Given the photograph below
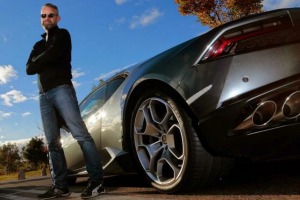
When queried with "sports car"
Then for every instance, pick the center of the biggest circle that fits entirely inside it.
(182, 117)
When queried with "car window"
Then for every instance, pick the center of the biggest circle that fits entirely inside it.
(112, 86)
(93, 103)
(97, 99)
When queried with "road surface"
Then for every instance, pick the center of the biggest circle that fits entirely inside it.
(259, 181)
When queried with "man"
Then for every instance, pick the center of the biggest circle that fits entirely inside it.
(50, 59)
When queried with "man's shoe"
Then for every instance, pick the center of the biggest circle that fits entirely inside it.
(54, 193)
(92, 190)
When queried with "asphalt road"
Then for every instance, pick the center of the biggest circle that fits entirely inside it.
(258, 181)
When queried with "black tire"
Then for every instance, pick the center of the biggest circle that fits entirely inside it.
(220, 170)
(166, 146)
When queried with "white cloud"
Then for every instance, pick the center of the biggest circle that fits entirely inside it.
(4, 114)
(11, 97)
(76, 73)
(276, 4)
(26, 114)
(108, 75)
(118, 22)
(36, 97)
(20, 143)
(7, 72)
(148, 17)
(120, 2)
(75, 84)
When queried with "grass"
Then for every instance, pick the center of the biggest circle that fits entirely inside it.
(29, 174)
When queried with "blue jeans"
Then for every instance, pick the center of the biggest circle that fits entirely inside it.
(63, 99)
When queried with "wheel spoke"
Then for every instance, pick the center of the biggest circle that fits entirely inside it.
(159, 140)
(148, 155)
(144, 124)
(175, 141)
(161, 113)
(168, 167)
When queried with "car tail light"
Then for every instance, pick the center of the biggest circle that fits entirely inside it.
(255, 36)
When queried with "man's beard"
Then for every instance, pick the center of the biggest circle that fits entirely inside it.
(48, 26)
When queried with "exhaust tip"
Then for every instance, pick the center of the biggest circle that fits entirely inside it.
(291, 106)
(264, 113)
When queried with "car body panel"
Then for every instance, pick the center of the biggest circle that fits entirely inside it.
(223, 90)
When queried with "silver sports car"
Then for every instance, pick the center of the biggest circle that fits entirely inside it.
(182, 117)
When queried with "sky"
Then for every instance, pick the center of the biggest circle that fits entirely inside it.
(107, 35)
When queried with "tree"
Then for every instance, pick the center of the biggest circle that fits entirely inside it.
(213, 13)
(35, 152)
(9, 157)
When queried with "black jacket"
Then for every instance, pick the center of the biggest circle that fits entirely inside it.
(51, 59)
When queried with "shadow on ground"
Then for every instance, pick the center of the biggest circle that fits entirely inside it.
(247, 178)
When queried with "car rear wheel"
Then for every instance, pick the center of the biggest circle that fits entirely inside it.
(166, 146)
